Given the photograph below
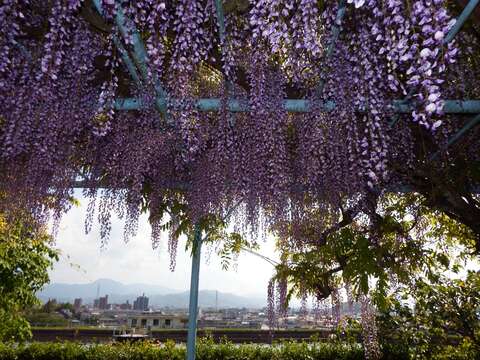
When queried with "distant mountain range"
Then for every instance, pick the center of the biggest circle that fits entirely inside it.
(158, 295)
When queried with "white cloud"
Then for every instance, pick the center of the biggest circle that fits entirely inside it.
(83, 260)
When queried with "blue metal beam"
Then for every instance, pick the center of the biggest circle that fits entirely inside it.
(221, 33)
(468, 126)
(404, 189)
(84, 184)
(220, 19)
(234, 105)
(127, 61)
(297, 105)
(336, 27)
(140, 56)
(456, 28)
(450, 107)
(193, 305)
(123, 52)
(472, 4)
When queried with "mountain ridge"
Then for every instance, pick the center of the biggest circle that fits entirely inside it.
(159, 296)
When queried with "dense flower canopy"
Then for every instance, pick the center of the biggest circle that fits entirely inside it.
(64, 69)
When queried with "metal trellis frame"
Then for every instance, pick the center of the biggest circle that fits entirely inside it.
(140, 57)
(467, 11)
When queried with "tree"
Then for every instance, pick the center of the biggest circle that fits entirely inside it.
(26, 255)
(401, 237)
(400, 242)
(432, 314)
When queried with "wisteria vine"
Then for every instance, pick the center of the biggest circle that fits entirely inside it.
(61, 75)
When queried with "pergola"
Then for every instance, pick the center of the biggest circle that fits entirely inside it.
(136, 62)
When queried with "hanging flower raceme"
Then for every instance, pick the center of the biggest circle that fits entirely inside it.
(411, 40)
(11, 17)
(57, 39)
(192, 41)
(293, 31)
(70, 106)
(105, 112)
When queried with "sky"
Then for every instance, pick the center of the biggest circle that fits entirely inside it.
(83, 259)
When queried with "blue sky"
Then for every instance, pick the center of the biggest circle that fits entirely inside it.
(83, 260)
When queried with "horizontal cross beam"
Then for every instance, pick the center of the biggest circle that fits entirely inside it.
(450, 107)
(234, 105)
(184, 186)
(292, 105)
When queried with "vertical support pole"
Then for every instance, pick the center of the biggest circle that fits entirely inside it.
(193, 305)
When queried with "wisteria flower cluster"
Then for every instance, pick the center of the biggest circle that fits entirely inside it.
(63, 78)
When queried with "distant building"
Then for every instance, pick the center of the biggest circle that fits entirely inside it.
(126, 306)
(141, 303)
(52, 302)
(103, 303)
(157, 321)
(77, 304)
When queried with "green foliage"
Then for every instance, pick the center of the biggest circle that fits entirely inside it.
(445, 312)
(45, 319)
(206, 350)
(404, 239)
(25, 257)
(172, 211)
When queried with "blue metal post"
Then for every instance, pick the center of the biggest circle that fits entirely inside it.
(193, 306)
(472, 4)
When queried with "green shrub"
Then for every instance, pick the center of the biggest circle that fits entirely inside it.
(207, 349)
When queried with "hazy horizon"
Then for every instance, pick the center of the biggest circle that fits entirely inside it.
(102, 293)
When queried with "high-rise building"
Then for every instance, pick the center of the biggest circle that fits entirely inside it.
(77, 304)
(103, 303)
(141, 303)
